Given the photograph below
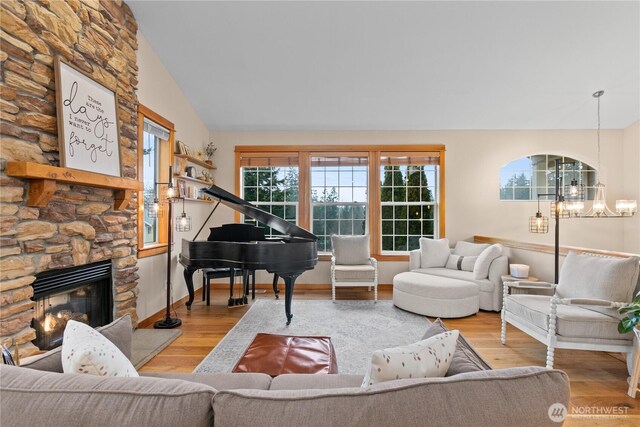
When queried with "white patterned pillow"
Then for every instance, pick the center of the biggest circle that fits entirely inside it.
(87, 351)
(424, 359)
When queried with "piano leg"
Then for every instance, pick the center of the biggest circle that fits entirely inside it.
(188, 279)
(275, 286)
(245, 282)
(232, 280)
(289, 281)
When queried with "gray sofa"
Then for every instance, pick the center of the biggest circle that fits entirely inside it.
(480, 397)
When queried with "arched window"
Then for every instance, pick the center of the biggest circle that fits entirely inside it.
(525, 178)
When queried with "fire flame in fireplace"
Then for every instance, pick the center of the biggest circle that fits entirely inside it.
(48, 322)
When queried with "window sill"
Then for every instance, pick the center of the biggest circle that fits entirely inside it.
(152, 250)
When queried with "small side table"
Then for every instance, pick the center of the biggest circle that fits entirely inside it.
(515, 290)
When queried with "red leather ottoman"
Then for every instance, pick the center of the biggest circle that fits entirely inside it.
(282, 354)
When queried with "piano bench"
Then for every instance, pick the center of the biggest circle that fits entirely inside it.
(220, 273)
(281, 354)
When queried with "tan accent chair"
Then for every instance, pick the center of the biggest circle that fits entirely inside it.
(581, 313)
(352, 265)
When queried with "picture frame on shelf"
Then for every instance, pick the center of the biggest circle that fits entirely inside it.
(182, 189)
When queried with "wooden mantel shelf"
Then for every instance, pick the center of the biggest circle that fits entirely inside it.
(42, 182)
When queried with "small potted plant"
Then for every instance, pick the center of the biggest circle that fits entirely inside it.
(632, 318)
(210, 150)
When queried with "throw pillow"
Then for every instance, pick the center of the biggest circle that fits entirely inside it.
(481, 268)
(589, 276)
(469, 249)
(434, 253)
(118, 332)
(424, 359)
(465, 358)
(86, 351)
(460, 262)
(351, 250)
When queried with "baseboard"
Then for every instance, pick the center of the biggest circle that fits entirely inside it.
(160, 313)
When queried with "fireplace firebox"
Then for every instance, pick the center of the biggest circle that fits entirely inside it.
(82, 293)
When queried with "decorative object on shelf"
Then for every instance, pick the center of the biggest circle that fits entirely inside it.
(87, 122)
(182, 148)
(567, 201)
(157, 207)
(210, 151)
(190, 171)
(182, 192)
(599, 207)
(206, 176)
(200, 154)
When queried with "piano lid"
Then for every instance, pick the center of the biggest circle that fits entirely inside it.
(246, 208)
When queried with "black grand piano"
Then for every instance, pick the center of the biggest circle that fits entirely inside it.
(244, 246)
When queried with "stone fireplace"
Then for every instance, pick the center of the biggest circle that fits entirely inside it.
(82, 293)
(77, 224)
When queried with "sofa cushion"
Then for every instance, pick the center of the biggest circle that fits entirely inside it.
(355, 273)
(461, 262)
(221, 380)
(416, 283)
(430, 357)
(572, 321)
(306, 381)
(485, 285)
(587, 276)
(481, 267)
(465, 358)
(434, 253)
(87, 351)
(351, 250)
(118, 332)
(34, 398)
(469, 249)
(474, 397)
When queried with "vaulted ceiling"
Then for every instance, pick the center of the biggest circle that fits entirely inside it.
(400, 65)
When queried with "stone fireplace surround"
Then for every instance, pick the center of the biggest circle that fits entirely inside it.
(79, 224)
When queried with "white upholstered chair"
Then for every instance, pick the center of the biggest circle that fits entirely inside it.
(582, 312)
(352, 265)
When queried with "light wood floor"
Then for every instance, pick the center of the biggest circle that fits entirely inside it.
(598, 380)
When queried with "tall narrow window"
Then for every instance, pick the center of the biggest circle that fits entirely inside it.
(155, 148)
(408, 199)
(339, 196)
(271, 184)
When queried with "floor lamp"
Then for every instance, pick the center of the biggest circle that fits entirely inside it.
(169, 322)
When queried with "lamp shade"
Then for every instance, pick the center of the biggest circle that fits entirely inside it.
(626, 207)
(538, 223)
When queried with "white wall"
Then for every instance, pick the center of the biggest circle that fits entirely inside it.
(158, 91)
(631, 155)
(473, 161)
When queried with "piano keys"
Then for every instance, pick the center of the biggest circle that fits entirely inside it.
(245, 246)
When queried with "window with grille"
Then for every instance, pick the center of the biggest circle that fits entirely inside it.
(408, 200)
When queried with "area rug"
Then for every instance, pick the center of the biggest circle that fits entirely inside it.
(146, 343)
(356, 328)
